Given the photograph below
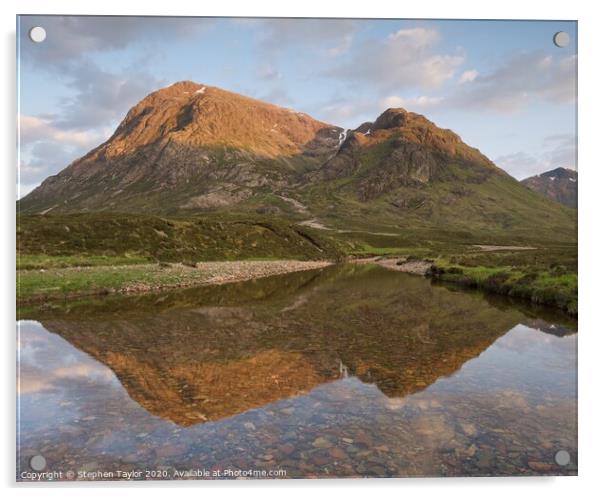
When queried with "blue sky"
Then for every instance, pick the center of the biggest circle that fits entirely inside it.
(503, 86)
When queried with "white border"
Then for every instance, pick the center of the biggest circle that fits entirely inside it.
(590, 184)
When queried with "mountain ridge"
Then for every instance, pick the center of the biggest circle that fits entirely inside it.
(191, 148)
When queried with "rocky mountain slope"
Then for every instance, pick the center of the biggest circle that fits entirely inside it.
(403, 172)
(190, 146)
(559, 185)
(192, 149)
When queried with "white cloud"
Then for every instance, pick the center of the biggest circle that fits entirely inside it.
(332, 37)
(406, 58)
(560, 150)
(519, 81)
(33, 129)
(343, 46)
(419, 37)
(46, 149)
(99, 97)
(416, 102)
(341, 111)
(73, 37)
(468, 76)
(520, 164)
(557, 151)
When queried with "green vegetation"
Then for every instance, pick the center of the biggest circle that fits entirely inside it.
(66, 283)
(105, 238)
(93, 253)
(407, 189)
(92, 280)
(462, 204)
(33, 262)
(99, 252)
(556, 286)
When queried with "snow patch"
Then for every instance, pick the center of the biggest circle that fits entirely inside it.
(200, 91)
(342, 136)
(572, 180)
(552, 178)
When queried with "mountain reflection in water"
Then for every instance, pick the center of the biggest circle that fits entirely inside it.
(354, 369)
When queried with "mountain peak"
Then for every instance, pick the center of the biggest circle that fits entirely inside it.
(409, 127)
(391, 118)
(190, 147)
(206, 145)
(558, 184)
(404, 149)
(199, 115)
(560, 172)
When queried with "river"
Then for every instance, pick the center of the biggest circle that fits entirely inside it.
(346, 371)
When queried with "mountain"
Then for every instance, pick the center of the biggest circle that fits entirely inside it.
(402, 172)
(190, 146)
(191, 149)
(559, 185)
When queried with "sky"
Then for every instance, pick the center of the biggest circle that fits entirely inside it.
(503, 86)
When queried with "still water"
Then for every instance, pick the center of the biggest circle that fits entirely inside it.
(349, 371)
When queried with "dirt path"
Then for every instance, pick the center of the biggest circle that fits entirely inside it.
(502, 248)
(297, 205)
(318, 224)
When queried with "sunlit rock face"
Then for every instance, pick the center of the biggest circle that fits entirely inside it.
(198, 146)
(192, 149)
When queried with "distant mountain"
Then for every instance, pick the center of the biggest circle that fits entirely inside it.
(191, 149)
(559, 185)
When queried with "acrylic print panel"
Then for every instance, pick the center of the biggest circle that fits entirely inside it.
(290, 248)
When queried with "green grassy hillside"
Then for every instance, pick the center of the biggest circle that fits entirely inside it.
(461, 203)
(117, 238)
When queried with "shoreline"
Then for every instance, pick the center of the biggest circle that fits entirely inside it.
(158, 277)
(46, 285)
(540, 288)
(400, 264)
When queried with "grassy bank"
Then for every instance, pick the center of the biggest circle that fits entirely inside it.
(555, 287)
(95, 238)
(92, 253)
(44, 262)
(70, 282)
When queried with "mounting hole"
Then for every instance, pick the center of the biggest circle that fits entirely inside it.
(37, 463)
(37, 34)
(562, 458)
(562, 39)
